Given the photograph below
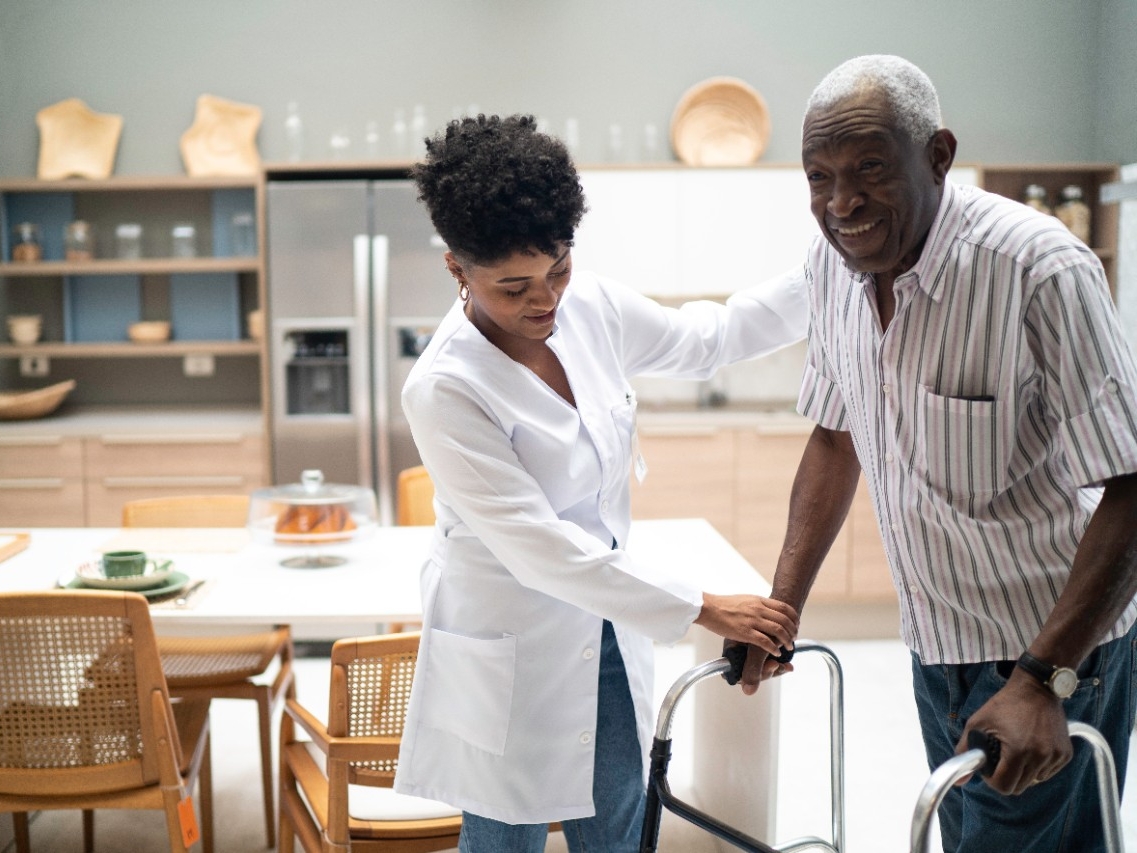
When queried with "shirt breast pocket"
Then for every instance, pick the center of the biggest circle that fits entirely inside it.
(963, 450)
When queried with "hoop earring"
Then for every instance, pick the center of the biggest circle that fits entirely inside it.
(463, 291)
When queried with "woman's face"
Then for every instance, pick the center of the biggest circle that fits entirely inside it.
(515, 299)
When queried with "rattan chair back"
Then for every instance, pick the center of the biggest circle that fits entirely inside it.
(414, 497)
(187, 511)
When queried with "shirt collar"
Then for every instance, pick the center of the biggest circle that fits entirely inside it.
(945, 228)
(941, 236)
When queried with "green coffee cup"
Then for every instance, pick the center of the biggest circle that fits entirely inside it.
(124, 564)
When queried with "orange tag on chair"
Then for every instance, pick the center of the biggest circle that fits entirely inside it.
(188, 820)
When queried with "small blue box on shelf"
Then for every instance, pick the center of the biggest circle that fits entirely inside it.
(204, 307)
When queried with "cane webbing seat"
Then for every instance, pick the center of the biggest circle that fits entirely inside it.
(86, 721)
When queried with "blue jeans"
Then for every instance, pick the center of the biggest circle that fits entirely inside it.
(1060, 815)
(617, 781)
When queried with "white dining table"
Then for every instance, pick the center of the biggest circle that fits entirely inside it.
(734, 770)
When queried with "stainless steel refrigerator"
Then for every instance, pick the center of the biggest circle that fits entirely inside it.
(356, 286)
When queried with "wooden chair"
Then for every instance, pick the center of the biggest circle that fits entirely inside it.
(85, 718)
(414, 497)
(224, 667)
(335, 790)
(187, 511)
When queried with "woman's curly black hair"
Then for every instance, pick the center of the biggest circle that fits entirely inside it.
(495, 186)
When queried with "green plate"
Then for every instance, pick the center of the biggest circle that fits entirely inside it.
(172, 584)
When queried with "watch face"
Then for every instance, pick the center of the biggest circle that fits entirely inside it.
(1063, 682)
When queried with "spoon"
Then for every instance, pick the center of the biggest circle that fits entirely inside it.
(183, 599)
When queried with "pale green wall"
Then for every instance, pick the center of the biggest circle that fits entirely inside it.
(1036, 80)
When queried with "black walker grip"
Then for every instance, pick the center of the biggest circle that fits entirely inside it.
(990, 746)
(735, 653)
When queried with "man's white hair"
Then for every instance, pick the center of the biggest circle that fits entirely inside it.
(909, 91)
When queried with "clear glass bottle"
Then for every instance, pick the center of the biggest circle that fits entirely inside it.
(1035, 196)
(418, 131)
(78, 241)
(399, 134)
(183, 240)
(294, 133)
(128, 241)
(1074, 212)
(26, 245)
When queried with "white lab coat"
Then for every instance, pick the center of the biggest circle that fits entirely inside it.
(531, 494)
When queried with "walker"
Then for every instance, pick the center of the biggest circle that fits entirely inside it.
(983, 756)
(659, 794)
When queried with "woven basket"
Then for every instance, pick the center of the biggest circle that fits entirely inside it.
(720, 122)
(23, 405)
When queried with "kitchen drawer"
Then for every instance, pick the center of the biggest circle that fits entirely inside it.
(190, 455)
(690, 475)
(767, 466)
(41, 502)
(40, 456)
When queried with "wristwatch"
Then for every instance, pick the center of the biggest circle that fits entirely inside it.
(1061, 680)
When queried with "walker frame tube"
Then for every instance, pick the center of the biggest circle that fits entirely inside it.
(659, 794)
(960, 766)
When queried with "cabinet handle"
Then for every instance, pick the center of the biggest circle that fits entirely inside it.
(172, 482)
(167, 438)
(31, 441)
(32, 483)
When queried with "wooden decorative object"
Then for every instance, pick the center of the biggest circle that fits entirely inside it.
(76, 142)
(222, 139)
(722, 121)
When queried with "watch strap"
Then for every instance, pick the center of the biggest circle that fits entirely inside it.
(1039, 669)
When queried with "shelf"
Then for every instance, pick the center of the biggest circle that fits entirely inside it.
(127, 183)
(144, 266)
(124, 349)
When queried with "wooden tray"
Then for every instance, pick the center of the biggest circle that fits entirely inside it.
(12, 543)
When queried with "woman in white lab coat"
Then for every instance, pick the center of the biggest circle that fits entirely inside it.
(531, 700)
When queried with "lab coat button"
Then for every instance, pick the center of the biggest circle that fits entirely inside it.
(604, 507)
(586, 738)
(589, 654)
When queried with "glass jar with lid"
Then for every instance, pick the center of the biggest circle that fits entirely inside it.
(1074, 212)
(78, 241)
(1035, 196)
(26, 245)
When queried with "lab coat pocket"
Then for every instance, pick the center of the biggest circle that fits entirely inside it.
(468, 688)
(963, 446)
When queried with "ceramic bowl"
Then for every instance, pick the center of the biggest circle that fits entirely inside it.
(149, 332)
(25, 328)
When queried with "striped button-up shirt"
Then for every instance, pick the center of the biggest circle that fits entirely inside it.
(984, 418)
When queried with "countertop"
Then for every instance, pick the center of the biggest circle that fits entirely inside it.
(770, 418)
(119, 420)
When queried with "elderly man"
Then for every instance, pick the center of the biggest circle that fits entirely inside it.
(965, 355)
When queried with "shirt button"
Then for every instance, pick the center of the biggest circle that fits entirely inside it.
(895, 528)
(888, 457)
(1111, 386)
(589, 654)
(885, 388)
(586, 738)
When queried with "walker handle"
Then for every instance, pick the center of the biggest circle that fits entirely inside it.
(735, 653)
(990, 746)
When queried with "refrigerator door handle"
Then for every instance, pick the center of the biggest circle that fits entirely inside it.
(381, 354)
(361, 357)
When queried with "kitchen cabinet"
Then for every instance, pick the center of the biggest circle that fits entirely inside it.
(691, 474)
(41, 481)
(1012, 180)
(738, 474)
(79, 469)
(87, 304)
